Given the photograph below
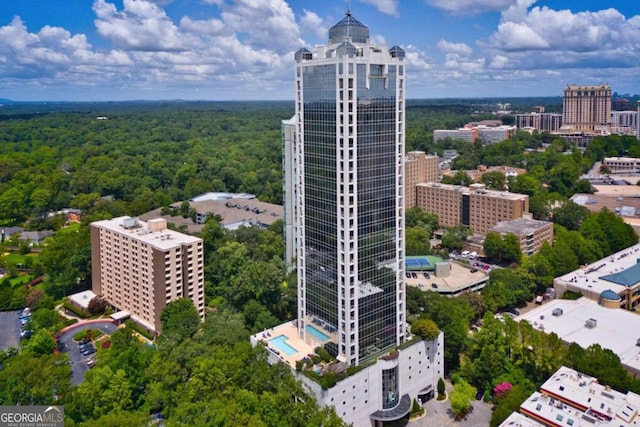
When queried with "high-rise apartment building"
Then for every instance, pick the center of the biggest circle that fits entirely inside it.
(140, 267)
(474, 206)
(344, 176)
(419, 167)
(349, 112)
(542, 122)
(586, 108)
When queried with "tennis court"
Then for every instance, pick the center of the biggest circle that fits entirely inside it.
(421, 263)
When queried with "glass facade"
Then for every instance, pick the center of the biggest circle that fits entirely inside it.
(350, 149)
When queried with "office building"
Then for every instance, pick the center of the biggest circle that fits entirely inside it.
(541, 122)
(419, 167)
(139, 267)
(346, 146)
(586, 108)
(617, 276)
(571, 398)
(473, 206)
(531, 233)
(463, 134)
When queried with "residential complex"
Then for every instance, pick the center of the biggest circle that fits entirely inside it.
(419, 167)
(346, 178)
(473, 206)
(139, 267)
(586, 108)
(571, 398)
(531, 233)
(233, 210)
(542, 122)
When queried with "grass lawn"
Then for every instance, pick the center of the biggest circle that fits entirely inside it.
(20, 280)
(14, 258)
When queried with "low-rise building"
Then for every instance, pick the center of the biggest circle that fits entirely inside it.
(234, 210)
(622, 165)
(586, 322)
(572, 399)
(618, 273)
(531, 233)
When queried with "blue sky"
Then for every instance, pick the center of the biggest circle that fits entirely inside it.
(91, 50)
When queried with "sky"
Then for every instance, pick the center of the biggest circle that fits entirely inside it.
(113, 50)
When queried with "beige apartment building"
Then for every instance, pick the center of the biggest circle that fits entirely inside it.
(473, 206)
(419, 167)
(139, 267)
(586, 108)
(531, 233)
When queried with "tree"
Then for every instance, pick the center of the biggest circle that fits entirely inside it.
(570, 215)
(455, 237)
(417, 239)
(425, 329)
(41, 343)
(494, 180)
(460, 398)
(97, 305)
(102, 392)
(180, 319)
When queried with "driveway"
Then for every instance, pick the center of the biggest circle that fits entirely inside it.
(76, 359)
(9, 329)
(439, 414)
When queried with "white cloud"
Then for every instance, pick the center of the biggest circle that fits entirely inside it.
(390, 7)
(142, 25)
(312, 22)
(545, 28)
(459, 48)
(471, 6)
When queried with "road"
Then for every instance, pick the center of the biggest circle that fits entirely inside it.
(77, 360)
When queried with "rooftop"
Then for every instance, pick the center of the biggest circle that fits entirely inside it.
(161, 238)
(570, 326)
(520, 226)
(608, 273)
(482, 192)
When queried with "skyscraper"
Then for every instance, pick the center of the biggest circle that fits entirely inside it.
(344, 191)
(349, 116)
(586, 108)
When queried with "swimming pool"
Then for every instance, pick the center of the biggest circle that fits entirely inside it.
(316, 333)
(280, 343)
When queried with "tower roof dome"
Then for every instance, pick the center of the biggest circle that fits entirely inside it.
(349, 28)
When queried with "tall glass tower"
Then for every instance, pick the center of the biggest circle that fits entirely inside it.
(348, 154)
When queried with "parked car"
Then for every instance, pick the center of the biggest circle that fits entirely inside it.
(434, 286)
(89, 350)
(426, 275)
(90, 363)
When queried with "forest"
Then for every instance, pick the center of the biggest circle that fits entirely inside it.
(143, 156)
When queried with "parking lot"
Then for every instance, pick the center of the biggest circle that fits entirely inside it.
(9, 329)
(76, 358)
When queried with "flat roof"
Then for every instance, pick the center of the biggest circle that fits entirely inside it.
(475, 191)
(163, 239)
(591, 280)
(516, 419)
(461, 279)
(82, 298)
(520, 226)
(570, 327)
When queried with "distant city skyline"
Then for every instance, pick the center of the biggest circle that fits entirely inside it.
(111, 50)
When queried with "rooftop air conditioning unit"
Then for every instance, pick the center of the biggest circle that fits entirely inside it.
(591, 323)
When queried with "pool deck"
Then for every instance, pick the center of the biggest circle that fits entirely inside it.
(289, 330)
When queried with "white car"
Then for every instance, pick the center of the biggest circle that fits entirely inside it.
(473, 255)
(465, 254)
